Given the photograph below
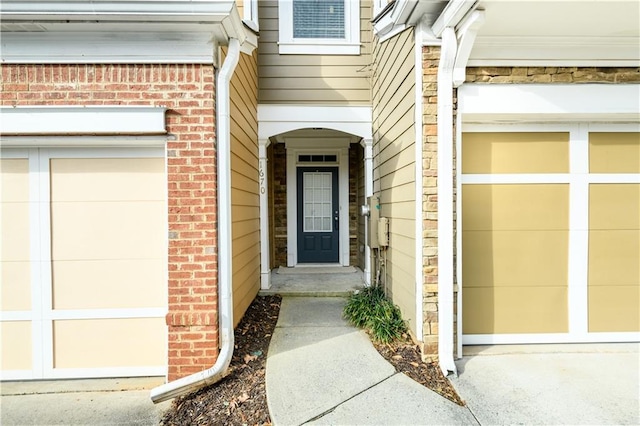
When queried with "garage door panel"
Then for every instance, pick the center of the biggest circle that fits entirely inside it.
(105, 284)
(107, 179)
(14, 224)
(614, 206)
(614, 308)
(614, 258)
(16, 345)
(519, 152)
(108, 343)
(515, 258)
(515, 310)
(515, 207)
(16, 286)
(14, 180)
(123, 230)
(617, 152)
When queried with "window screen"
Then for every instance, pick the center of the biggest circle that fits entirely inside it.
(318, 19)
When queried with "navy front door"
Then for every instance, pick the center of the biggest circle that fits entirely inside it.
(318, 225)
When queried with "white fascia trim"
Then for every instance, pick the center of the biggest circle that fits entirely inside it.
(496, 103)
(452, 14)
(117, 46)
(116, 10)
(349, 45)
(276, 119)
(89, 120)
(563, 51)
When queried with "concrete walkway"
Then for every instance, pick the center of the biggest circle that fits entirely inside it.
(320, 370)
(81, 402)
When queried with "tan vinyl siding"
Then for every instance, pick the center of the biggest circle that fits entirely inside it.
(394, 162)
(309, 79)
(245, 198)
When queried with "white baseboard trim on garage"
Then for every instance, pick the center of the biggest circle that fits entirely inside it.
(502, 339)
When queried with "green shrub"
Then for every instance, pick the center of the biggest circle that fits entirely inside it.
(371, 310)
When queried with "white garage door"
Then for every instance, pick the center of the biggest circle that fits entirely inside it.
(83, 263)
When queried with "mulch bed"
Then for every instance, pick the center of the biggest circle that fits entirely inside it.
(240, 398)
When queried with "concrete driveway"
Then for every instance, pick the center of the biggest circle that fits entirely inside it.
(80, 402)
(551, 384)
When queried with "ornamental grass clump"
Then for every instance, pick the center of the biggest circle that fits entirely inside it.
(371, 310)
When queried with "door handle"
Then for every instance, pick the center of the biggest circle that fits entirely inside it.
(335, 221)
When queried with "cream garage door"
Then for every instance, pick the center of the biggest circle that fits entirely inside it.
(550, 242)
(83, 263)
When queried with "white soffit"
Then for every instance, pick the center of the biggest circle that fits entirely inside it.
(493, 103)
(558, 32)
(115, 120)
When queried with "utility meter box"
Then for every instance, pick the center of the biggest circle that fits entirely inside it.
(374, 214)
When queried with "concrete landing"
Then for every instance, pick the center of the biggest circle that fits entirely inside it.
(320, 370)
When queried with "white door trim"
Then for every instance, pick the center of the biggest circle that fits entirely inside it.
(294, 148)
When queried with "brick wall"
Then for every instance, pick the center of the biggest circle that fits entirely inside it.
(188, 93)
(279, 184)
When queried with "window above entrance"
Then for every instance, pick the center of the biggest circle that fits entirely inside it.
(319, 27)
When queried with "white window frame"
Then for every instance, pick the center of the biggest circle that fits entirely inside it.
(350, 45)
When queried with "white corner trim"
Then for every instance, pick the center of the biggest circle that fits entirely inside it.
(419, 183)
(265, 270)
(69, 120)
(487, 103)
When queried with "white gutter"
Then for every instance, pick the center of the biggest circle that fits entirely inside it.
(445, 200)
(225, 303)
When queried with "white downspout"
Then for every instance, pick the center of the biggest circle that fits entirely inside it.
(210, 376)
(367, 144)
(445, 200)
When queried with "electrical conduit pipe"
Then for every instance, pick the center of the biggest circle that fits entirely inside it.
(212, 375)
